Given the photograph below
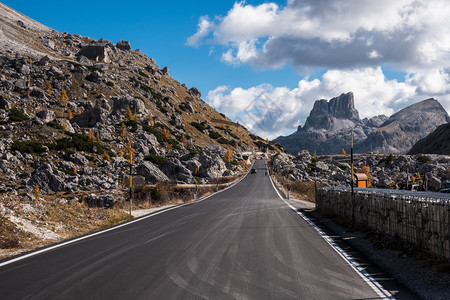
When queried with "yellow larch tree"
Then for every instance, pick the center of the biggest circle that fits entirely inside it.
(228, 155)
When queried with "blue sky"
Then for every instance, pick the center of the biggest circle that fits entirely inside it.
(251, 58)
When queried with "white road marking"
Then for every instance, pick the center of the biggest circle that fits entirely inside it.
(384, 294)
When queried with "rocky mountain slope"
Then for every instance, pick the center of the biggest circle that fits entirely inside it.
(404, 128)
(327, 129)
(72, 109)
(437, 142)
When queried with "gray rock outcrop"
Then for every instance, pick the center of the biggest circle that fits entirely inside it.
(151, 173)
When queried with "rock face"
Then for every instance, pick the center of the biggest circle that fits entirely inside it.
(437, 142)
(95, 52)
(336, 114)
(151, 173)
(327, 129)
(404, 128)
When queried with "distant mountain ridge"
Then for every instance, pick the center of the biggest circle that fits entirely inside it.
(437, 142)
(327, 129)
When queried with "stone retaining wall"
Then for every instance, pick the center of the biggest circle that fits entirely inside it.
(420, 218)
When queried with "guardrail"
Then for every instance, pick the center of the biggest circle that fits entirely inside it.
(420, 218)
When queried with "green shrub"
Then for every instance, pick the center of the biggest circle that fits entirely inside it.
(80, 142)
(156, 159)
(133, 124)
(153, 131)
(28, 147)
(224, 141)
(143, 74)
(68, 172)
(110, 83)
(55, 125)
(388, 159)
(214, 135)
(423, 159)
(175, 144)
(3, 104)
(17, 115)
(199, 126)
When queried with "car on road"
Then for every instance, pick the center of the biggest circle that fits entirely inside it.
(253, 171)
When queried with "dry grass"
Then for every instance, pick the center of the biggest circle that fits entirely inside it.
(27, 225)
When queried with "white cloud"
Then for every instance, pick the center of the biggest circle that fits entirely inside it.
(412, 34)
(203, 29)
(350, 38)
(272, 111)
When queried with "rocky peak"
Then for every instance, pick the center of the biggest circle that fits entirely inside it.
(338, 113)
(419, 114)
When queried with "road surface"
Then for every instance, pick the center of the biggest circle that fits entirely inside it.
(242, 243)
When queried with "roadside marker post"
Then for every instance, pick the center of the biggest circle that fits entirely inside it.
(351, 167)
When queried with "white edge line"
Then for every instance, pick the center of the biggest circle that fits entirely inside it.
(22, 257)
(384, 294)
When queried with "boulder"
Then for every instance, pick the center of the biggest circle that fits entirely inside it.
(48, 179)
(37, 92)
(151, 173)
(84, 60)
(43, 61)
(195, 92)
(96, 52)
(123, 45)
(174, 169)
(91, 117)
(120, 105)
(304, 156)
(78, 159)
(65, 123)
(94, 77)
(46, 115)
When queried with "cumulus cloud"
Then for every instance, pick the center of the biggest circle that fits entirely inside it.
(350, 38)
(318, 33)
(203, 29)
(272, 111)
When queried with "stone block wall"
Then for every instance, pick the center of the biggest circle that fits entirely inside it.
(422, 219)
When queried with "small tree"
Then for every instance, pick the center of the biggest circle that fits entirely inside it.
(150, 120)
(69, 114)
(123, 130)
(343, 151)
(366, 170)
(106, 156)
(165, 133)
(64, 99)
(48, 87)
(36, 193)
(92, 137)
(184, 141)
(129, 114)
(228, 156)
(130, 151)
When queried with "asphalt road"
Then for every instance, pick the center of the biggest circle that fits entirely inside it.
(243, 243)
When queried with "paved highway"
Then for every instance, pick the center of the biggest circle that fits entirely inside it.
(243, 243)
